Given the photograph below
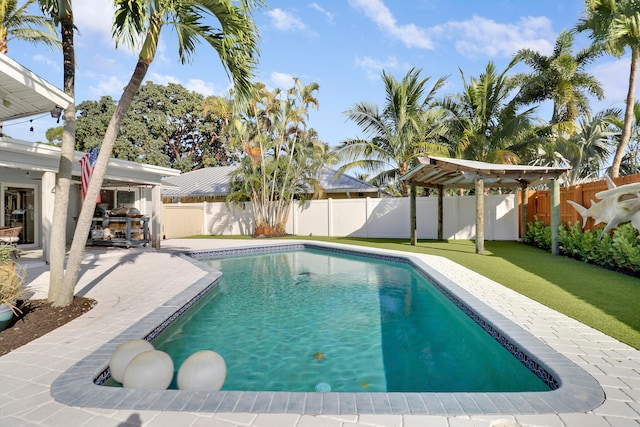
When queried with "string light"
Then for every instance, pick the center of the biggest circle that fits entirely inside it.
(31, 128)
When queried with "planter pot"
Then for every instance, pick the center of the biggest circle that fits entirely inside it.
(6, 315)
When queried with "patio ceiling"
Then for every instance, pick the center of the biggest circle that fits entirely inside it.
(24, 94)
(444, 172)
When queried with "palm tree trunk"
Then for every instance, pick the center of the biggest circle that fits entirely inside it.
(88, 207)
(58, 238)
(628, 115)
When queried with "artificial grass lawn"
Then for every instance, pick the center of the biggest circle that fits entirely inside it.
(603, 299)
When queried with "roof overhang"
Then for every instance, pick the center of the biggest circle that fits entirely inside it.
(24, 94)
(434, 172)
(30, 156)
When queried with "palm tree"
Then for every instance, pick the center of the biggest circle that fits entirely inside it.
(16, 23)
(406, 129)
(235, 41)
(486, 125)
(281, 157)
(61, 12)
(560, 78)
(615, 25)
(631, 160)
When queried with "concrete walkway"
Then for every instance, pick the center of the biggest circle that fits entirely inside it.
(130, 284)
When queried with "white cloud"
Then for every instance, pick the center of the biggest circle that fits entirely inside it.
(480, 36)
(409, 34)
(47, 61)
(614, 78)
(282, 80)
(374, 67)
(89, 16)
(107, 85)
(320, 9)
(285, 21)
(206, 88)
(162, 79)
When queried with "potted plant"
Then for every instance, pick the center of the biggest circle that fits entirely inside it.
(11, 285)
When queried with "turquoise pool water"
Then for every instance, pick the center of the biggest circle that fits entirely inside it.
(304, 319)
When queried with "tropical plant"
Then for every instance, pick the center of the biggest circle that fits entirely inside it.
(615, 25)
(235, 40)
(484, 121)
(395, 137)
(560, 77)
(17, 24)
(281, 158)
(631, 160)
(11, 278)
(586, 151)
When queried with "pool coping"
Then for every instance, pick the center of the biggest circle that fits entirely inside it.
(578, 391)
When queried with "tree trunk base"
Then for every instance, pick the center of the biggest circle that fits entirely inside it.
(267, 231)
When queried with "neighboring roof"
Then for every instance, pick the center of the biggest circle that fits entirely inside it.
(344, 183)
(15, 154)
(457, 173)
(214, 182)
(23, 93)
(206, 182)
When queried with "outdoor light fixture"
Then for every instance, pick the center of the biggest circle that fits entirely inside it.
(56, 112)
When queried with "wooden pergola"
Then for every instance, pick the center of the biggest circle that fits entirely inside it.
(442, 173)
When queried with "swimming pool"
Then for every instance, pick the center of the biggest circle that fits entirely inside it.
(308, 319)
(577, 391)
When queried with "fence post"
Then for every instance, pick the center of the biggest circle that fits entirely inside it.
(555, 216)
(330, 216)
(479, 216)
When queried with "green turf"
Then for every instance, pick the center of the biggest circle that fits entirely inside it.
(603, 299)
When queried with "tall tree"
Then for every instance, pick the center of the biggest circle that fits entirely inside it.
(16, 23)
(615, 25)
(62, 14)
(484, 120)
(560, 77)
(281, 157)
(398, 135)
(235, 39)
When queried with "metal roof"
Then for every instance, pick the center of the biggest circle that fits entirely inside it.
(457, 173)
(214, 182)
(24, 94)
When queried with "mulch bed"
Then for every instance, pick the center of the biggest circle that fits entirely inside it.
(39, 318)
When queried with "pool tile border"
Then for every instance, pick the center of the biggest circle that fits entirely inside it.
(577, 391)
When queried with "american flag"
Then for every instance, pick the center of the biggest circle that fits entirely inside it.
(87, 163)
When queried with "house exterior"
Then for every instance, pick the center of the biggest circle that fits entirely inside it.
(212, 185)
(28, 169)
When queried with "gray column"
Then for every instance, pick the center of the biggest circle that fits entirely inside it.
(156, 217)
(413, 215)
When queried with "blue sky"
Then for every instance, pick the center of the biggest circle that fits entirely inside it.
(343, 45)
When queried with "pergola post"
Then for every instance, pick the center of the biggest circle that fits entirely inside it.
(440, 212)
(479, 215)
(524, 214)
(413, 213)
(555, 216)
(156, 215)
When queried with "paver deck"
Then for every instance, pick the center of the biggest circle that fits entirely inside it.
(130, 284)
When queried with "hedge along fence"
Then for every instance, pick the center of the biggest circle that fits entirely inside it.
(583, 194)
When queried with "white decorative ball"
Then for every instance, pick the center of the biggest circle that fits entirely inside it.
(124, 354)
(204, 370)
(150, 370)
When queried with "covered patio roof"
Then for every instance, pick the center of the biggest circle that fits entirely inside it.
(441, 173)
(433, 172)
(24, 94)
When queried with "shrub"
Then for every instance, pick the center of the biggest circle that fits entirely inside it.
(620, 250)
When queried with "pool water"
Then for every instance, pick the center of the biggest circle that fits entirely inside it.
(308, 320)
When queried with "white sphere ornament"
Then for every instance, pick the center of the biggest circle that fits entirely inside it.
(204, 370)
(151, 370)
(124, 354)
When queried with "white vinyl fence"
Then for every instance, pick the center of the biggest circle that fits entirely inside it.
(383, 217)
